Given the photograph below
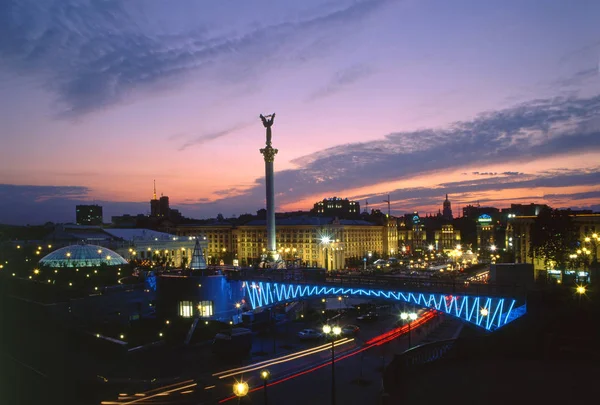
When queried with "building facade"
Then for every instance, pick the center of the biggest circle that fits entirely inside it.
(485, 232)
(307, 241)
(447, 238)
(518, 239)
(337, 207)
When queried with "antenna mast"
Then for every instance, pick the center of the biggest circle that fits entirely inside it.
(388, 203)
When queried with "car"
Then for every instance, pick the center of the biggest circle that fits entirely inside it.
(348, 330)
(371, 316)
(309, 334)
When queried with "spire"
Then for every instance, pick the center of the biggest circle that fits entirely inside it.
(154, 198)
(446, 196)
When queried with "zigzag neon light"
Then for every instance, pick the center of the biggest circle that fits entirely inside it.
(500, 311)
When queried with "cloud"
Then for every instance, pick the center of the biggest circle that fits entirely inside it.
(23, 204)
(341, 80)
(537, 129)
(211, 136)
(94, 54)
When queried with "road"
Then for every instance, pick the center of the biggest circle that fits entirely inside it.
(305, 361)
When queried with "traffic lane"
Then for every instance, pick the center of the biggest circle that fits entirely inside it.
(224, 385)
(363, 364)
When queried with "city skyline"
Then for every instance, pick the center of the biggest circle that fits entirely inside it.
(498, 104)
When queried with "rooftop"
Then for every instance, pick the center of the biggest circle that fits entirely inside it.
(82, 256)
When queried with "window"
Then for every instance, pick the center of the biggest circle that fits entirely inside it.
(205, 308)
(186, 309)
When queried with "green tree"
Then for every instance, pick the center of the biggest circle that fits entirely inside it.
(553, 237)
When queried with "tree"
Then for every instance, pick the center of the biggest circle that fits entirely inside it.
(220, 218)
(553, 236)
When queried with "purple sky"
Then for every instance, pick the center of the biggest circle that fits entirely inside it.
(490, 101)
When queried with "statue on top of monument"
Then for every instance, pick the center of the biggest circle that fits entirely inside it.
(268, 122)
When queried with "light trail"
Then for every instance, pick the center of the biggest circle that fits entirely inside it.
(162, 393)
(376, 341)
(297, 356)
(275, 359)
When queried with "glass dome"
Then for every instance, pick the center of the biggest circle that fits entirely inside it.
(82, 256)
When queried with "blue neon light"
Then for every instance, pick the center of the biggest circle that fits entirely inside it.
(500, 311)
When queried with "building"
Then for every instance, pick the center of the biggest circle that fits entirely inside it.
(337, 207)
(446, 238)
(144, 246)
(218, 236)
(303, 240)
(88, 214)
(447, 209)
(518, 240)
(412, 234)
(416, 234)
(82, 256)
(159, 208)
(485, 232)
(525, 210)
(475, 211)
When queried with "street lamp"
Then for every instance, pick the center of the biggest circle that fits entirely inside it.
(265, 375)
(410, 317)
(240, 389)
(325, 240)
(484, 312)
(332, 332)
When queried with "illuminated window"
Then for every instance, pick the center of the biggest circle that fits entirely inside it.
(205, 308)
(186, 309)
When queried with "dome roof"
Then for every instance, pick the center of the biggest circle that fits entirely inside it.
(82, 256)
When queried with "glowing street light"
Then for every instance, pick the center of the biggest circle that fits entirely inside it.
(265, 375)
(410, 317)
(240, 389)
(484, 312)
(580, 289)
(493, 248)
(332, 332)
(430, 248)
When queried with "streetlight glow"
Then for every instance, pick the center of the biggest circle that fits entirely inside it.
(326, 329)
(580, 289)
(240, 389)
(484, 312)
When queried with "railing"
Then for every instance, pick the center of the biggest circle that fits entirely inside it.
(459, 287)
(406, 362)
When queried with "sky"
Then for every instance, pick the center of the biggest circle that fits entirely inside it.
(495, 102)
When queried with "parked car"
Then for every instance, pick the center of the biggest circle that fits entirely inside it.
(309, 334)
(349, 330)
(371, 316)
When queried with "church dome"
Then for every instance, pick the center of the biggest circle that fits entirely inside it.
(82, 256)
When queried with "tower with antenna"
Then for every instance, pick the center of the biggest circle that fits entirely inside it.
(388, 204)
(154, 204)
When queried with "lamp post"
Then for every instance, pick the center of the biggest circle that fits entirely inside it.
(410, 317)
(580, 290)
(332, 333)
(240, 389)
(265, 375)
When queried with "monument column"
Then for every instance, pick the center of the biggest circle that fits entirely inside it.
(269, 153)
